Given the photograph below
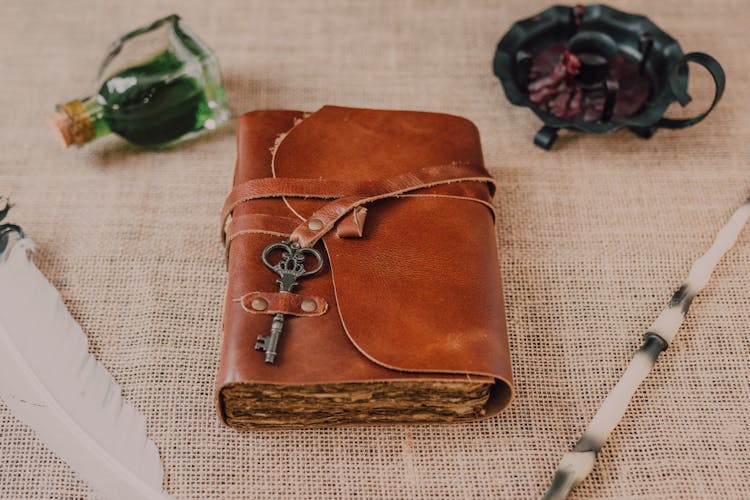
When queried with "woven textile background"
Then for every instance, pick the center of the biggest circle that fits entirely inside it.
(594, 236)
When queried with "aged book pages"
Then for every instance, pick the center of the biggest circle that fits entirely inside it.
(255, 405)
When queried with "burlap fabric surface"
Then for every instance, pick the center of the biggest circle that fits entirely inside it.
(593, 236)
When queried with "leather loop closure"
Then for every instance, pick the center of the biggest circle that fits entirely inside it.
(320, 222)
(274, 187)
(353, 225)
(258, 224)
(347, 197)
(283, 302)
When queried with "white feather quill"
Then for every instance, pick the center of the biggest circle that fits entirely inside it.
(49, 380)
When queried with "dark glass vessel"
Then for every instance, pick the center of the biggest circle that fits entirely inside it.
(158, 86)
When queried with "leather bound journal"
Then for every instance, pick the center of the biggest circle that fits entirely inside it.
(364, 285)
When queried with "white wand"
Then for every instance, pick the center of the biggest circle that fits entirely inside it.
(578, 463)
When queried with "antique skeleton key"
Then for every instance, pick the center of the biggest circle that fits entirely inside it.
(290, 267)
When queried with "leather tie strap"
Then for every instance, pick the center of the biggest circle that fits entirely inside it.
(280, 187)
(320, 222)
(348, 196)
(260, 223)
(257, 224)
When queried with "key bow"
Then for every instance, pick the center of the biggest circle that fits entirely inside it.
(292, 263)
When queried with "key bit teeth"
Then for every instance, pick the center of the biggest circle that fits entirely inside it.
(260, 345)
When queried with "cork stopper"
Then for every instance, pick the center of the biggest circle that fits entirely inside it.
(71, 124)
(60, 125)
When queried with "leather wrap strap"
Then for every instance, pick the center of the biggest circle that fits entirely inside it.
(309, 232)
(275, 187)
(347, 196)
(259, 223)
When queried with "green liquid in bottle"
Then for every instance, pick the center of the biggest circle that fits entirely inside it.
(158, 102)
(146, 110)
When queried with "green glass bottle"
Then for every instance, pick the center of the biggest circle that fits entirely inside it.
(159, 86)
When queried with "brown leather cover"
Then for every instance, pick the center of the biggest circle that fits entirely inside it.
(411, 278)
